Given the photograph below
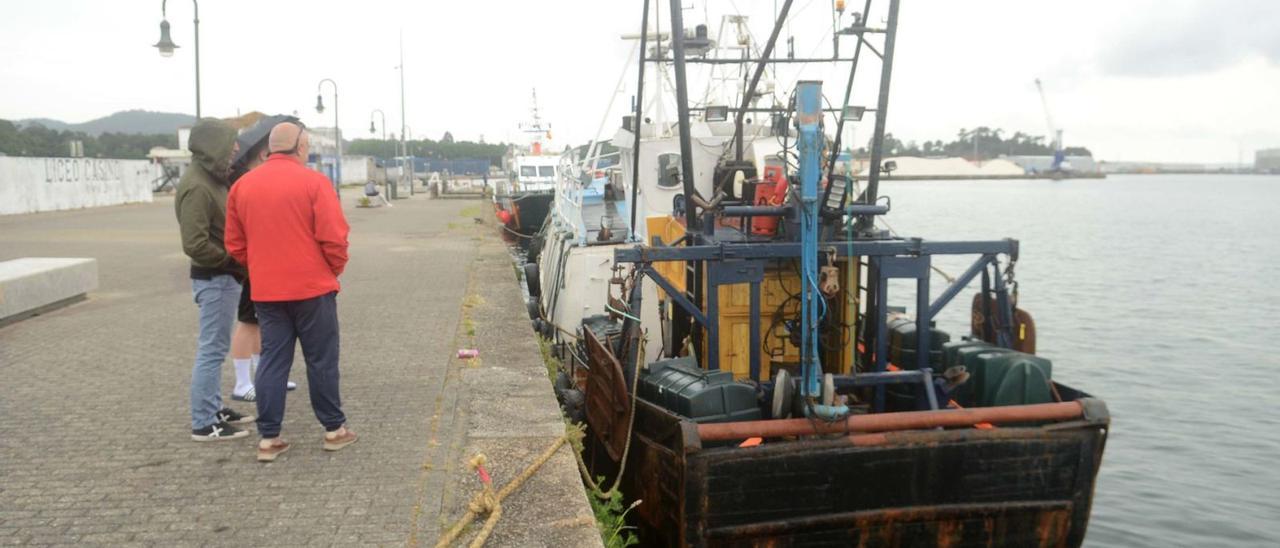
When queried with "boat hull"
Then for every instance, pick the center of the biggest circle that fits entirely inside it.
(527, 210)
(1013, 486)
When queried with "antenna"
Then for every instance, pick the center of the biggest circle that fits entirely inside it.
(537, 120)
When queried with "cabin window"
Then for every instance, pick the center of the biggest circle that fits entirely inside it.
(528, 171)
(546, 171)
(669, 170)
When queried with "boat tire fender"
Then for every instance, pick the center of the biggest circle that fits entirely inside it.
(562, 383)
(535, 312)
(573, 403)
(532, 281)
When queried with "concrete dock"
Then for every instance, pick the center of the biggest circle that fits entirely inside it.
(94, 413)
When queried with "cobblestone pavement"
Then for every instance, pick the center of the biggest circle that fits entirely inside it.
(94, 420)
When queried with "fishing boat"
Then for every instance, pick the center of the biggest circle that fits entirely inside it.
(522, 200)
(721, 304)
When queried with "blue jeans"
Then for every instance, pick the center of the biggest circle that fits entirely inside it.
(218, 298)
(314, 323)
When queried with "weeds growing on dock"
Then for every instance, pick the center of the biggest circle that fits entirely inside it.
(611, 518)
(611, 515)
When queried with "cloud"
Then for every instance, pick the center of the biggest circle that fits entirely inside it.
(1184, 38)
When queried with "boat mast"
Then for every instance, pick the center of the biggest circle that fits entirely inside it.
(637, 123)
(755, 78)
(882, 113)
(682, 117)
(848, 92)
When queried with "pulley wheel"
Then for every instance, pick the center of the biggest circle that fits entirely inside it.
(783, 395)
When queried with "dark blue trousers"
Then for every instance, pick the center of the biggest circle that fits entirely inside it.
(314, 323)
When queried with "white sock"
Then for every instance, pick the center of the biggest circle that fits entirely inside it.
(256, 358)
(243, 379)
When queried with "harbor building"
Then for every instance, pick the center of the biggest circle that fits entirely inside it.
(1267, 160)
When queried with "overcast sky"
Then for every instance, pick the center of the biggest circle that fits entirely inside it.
(1167, 80)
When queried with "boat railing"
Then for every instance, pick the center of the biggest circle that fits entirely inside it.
(568, 201)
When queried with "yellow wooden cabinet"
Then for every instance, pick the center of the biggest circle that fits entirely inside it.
(780, 284)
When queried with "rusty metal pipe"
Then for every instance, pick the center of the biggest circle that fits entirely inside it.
(885, 422)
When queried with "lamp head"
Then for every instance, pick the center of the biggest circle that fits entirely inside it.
(165, 45)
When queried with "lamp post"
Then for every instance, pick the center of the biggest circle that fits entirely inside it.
(403, 145)
(391, 189)
(166, 45)
(406, 135)
(337, 133)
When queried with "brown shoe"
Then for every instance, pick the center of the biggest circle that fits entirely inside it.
(269, 453)
(339, 438)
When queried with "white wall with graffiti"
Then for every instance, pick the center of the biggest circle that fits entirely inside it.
(29, 185)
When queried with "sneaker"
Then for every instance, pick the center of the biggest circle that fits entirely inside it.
(248, 395)
(229, 416)
(269, 454)
(339, 438)
(218, 431)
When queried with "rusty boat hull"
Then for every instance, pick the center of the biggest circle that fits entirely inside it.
(1007, 485)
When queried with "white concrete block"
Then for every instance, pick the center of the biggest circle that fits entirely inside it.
(31, 283)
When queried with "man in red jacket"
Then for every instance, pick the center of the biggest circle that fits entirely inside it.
(285, 223)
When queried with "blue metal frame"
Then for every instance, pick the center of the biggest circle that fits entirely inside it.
(960, 283)
(677, 296)
(889, 264)
(917, 268)
(889, 258)
(703, 249)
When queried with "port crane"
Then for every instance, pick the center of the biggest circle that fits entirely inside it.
(1056, 134)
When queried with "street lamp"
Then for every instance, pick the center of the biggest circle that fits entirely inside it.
(403, 144)
(166, 45)
(406, 136)
(337, 133)
(391, 189)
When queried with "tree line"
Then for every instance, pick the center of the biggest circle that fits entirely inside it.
(444, 149)
(990, 144)
(40, 141)
(37, 140)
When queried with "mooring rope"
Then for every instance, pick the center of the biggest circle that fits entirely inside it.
(504, 227)
(489, 502)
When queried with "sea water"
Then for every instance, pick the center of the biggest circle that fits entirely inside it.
(1159, 294)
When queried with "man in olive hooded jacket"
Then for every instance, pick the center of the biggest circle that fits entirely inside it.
(201, 205)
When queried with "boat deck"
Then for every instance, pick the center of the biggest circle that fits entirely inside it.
(599, 214)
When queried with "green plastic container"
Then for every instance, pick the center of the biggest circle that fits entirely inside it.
(902, 343)
(1014, 378)
(951, 351)
(680, 386)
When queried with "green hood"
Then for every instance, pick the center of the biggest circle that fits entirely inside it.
(210, 144)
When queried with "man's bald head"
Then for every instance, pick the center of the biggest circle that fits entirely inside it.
(288, 138)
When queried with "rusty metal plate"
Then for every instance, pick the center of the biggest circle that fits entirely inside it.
(608, 405)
